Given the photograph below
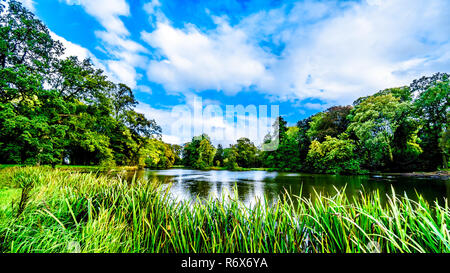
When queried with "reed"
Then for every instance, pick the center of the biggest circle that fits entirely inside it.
(67, 211)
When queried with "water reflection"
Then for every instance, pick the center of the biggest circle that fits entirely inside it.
(267, 186)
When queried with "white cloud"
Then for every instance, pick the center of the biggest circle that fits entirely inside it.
(152, 7)
(333, 51)
(107, 12)
(155, 14)
(366, 48)
(125, 54)
(113, 69)
(144, 88)
(314, 106)
(221, 59)
(29, 4)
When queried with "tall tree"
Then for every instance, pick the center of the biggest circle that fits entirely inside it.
(432, 106)
(331, 122)
(199, 153)
(219, 156)
(374, 122)
(246, 153)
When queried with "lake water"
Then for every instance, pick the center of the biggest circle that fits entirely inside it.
(189, 184)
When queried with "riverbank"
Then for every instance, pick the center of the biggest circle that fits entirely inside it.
(444, 174)
(54, 210)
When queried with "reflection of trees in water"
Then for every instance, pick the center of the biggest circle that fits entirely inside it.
(198, 188)
(244, 189)
(155, 177)
(268, 188)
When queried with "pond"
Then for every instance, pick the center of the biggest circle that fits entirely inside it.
(186, 184)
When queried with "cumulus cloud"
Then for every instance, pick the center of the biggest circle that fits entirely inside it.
(221, 59)
(126, 55)
(29, 4)
(153, 10)
(365, 48)
(333, 51)
(107, 12)
(111, 68)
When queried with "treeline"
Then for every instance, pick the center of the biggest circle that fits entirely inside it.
(397, 129)
(57, 110)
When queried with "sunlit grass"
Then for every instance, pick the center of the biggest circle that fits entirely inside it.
(63, 211)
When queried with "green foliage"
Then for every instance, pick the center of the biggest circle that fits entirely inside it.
(286, 157)
(177, 151)
(55, 109)
(246, 153)
(333, 156)
(432, 107)
(158, 155)
(199, 153)
(219, 156)
(230, 158)
(374, 122)
(402, 93)
(332, 122)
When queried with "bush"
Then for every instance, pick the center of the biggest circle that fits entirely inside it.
(333, 156)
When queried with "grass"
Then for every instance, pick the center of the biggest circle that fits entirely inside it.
(86, 168)
(57, 210)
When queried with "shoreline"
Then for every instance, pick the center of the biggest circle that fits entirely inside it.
(444, 174)
(435, 174)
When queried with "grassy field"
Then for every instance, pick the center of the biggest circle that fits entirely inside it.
(55, 210)
(76, 167)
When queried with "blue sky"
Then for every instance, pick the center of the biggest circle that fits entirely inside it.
(304, 56)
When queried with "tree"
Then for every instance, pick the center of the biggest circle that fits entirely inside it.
(402, 93)
(199, 153)
(374, 123)
(54, 108)
(303, 139)
(288, 148)
(270, 158)
(444, 143)
(230, 158)
(333, 155)
(432, 107)
(26, 53)
(246, 153)
(177, 151)
(219, 156)
(158, 155)
(331, 122)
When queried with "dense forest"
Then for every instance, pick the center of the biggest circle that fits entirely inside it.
(56, 110)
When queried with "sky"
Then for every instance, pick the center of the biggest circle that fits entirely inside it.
(301, 56)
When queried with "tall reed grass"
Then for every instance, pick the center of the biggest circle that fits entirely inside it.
(63, 211)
